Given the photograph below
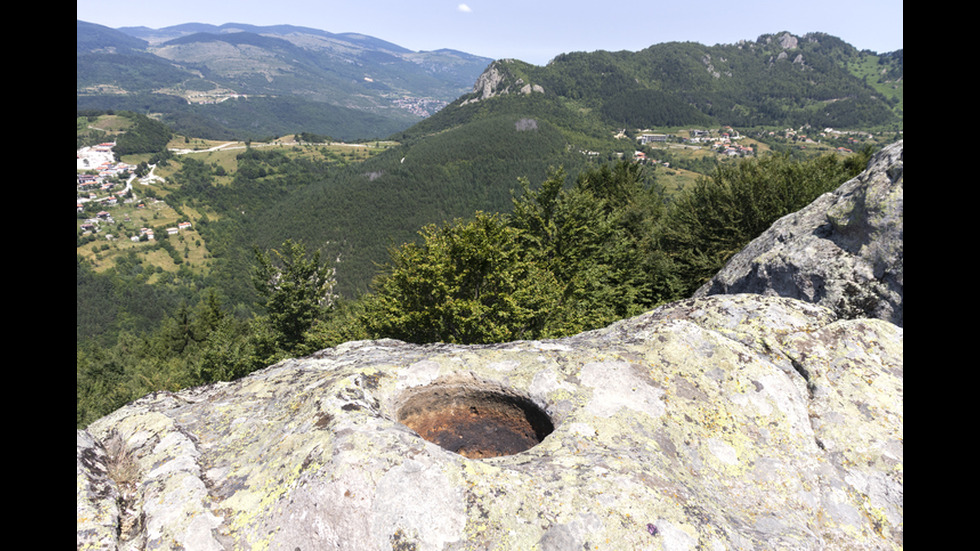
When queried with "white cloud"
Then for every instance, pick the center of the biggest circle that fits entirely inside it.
(464, 8)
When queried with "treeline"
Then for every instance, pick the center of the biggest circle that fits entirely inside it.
(146, 135)
(572, 254)
(143, 135)
(253, 118)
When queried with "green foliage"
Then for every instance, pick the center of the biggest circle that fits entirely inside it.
(168, 358)
(365, 208)
(597, 239)
(722, 213)
(259, 117)
(567, 258)
(204, 344)
(310, 137)
(122, 298)
(748, 84)
(344, 324)
(467, 282)
(144, 136)
(132, 71)
(564, 261)
(646, 108)
(236, 348)
(297, 289)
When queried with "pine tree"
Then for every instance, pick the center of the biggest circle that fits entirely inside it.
(297, 290)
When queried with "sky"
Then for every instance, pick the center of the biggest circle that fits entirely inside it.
(534, 31)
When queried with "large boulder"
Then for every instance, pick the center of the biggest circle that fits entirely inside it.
(725, 422)
(844, 251)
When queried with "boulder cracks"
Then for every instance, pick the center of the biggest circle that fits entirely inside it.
(687, 427)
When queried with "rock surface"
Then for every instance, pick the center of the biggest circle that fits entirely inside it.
(722, 422)
(497, 80)
(844, 251)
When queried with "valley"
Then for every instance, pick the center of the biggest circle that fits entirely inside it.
(288, 79)
(606, 183)
(128, 214)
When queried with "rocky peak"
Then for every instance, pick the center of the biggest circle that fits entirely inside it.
(788, 41)
(499, 78)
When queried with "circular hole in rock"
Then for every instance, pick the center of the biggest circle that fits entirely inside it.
(475, 420)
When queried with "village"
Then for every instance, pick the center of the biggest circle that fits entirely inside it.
(724, 142)
(729, 142)
(103, 183)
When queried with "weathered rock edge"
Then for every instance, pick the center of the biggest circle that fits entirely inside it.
(844, 251)
(726, 422)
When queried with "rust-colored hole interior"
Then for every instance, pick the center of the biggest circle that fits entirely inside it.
(475, 421)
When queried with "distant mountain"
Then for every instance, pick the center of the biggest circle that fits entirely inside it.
(520, 119)
(348, 76)
(776, 80)
(94, 38)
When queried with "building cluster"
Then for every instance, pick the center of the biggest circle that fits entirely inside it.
(724, 142)
(97, 168)
(422, 107)
(641, 157)
(96, 180)
(100, 159)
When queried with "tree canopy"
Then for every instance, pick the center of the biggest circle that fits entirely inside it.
(569, 257)
(296, 289)
(466, 282)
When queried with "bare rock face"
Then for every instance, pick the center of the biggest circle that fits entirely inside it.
(844, 251)
(723, 422)
(497, 80)
(788, 41)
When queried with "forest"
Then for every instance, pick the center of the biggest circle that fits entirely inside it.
(568, 254)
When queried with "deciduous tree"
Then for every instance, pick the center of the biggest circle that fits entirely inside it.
(465, 282)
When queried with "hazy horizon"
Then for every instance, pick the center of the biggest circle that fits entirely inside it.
(530, 31)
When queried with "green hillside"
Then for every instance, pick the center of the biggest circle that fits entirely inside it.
(616, 161)
(365, 209)
(468, 156)
(777, 80)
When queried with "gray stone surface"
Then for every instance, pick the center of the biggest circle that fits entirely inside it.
(844, 251)
(724, 422)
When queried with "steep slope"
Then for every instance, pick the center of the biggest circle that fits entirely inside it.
(777, 80)
(90, 37)
(108, 61)
(363, 210)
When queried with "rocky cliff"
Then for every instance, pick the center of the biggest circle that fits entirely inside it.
(844, 251)
(497, 79)
(731, 421)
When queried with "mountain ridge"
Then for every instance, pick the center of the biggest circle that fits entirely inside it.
(164, 34)
(465, 157)
(745, 84)
(777, 79)
(390, 87)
